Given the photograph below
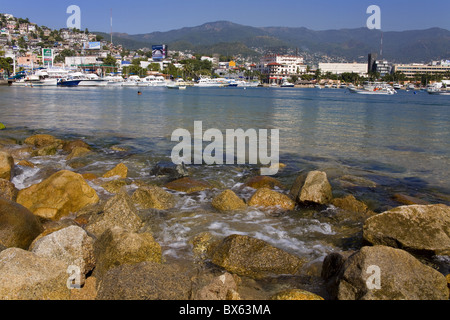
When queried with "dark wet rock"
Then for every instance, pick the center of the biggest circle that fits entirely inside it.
(145, 281)
(188, 185)
(18, 226)
(27, 276)
(263, 182)
(48, 150)
(8, 190)
(6, 166)
(117, 246)
(255, 258)
(355, 181)
(170, 170)
(402, 277)
(408, 200)
(69, 146)
(417, 228)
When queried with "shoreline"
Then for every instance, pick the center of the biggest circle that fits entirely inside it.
(202, 244)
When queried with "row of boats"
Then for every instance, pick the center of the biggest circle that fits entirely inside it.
(382, 88)
(79, 79)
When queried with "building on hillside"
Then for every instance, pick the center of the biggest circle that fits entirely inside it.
(278, 67)
(340, 68)
(28, 60)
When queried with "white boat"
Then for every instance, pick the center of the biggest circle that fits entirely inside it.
(132, 81)
(208, 82)
(343, 86)
(438, 89)
(317, 86)
(39, 79)
(88, 79)
(153, 81)
(287, 84)
(179, 84)
(114, 81)
(374, 88)
(397, 86)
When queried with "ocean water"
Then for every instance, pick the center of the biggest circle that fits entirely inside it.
(370, 146)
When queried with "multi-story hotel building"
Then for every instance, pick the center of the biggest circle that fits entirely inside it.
(281, 66)
(412, 69)
(340, 68)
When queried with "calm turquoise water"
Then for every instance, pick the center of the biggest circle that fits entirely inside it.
(400, 144)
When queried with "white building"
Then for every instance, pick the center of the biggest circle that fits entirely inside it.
(281, 65)
(340, 68)
(75, 61)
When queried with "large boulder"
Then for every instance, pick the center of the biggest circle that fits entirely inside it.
(316, 189)
(228, 201)
(18, 226)
(119, 211)
(415, 228)
(8, 190)
(71, 245)
(383, 273)
(267, 198)
(61, 194)
(247, 256)
(6, 166)
(188, 185)
(69, 146)
(153, 197)
(42, 140)
(117, 246)
(223, 287)
(27, 276)
(145, 281)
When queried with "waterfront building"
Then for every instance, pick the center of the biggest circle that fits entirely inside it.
(415, 68)
(383, 67)
(278, 67)
(340, 68)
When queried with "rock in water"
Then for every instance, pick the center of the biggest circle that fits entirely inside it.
(6, 166)
(255, 258)
(267, 198)
(188, 185)
(170, 170)
(316, 189)
(145, 281)
(18, 226)
(120, 171)
(119, 211)
(296, 294)
(228, 201)
(71, 245)
(400, 277)
(26, 276)
(153, 197)
(416, 228)
(263, 182)
(42, 140)
(117, 246)
(8, 190)
(63, 193)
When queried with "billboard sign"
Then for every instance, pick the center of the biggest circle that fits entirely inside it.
(47, 56)
(92, 46)
(159, 52)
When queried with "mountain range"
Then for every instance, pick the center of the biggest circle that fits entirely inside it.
(227, 38)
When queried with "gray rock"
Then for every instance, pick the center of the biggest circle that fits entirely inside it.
(145, 281)
(71, 245)
(415, 228)
(401, 277)
(26, 276)
(119, 211)
(169, 170)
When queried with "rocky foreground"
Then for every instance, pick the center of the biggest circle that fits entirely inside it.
(60, 241)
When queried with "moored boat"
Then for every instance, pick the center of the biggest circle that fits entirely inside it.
(374, 88)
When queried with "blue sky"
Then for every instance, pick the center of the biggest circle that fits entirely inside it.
(139, 16)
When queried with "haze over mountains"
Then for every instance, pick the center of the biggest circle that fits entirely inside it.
(229, 38)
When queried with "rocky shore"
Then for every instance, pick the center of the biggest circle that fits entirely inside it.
(62, 240)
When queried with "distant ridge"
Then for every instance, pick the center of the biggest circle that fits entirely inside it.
(229, 38)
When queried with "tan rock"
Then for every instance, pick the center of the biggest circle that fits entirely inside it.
(25, 163)
(78, 152)
(408, 200)
(114, 186)
(296, 294)
(350, 203)
(71, 145)
(8, 190)
(87, 293)
(267, 198)
(228, 201)
(153, 197)
(316, 189)
(120, 170)
(63, 193)
(89, 176)
(41, 140)
(6, 166)
(188, 185)
(47, 150)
